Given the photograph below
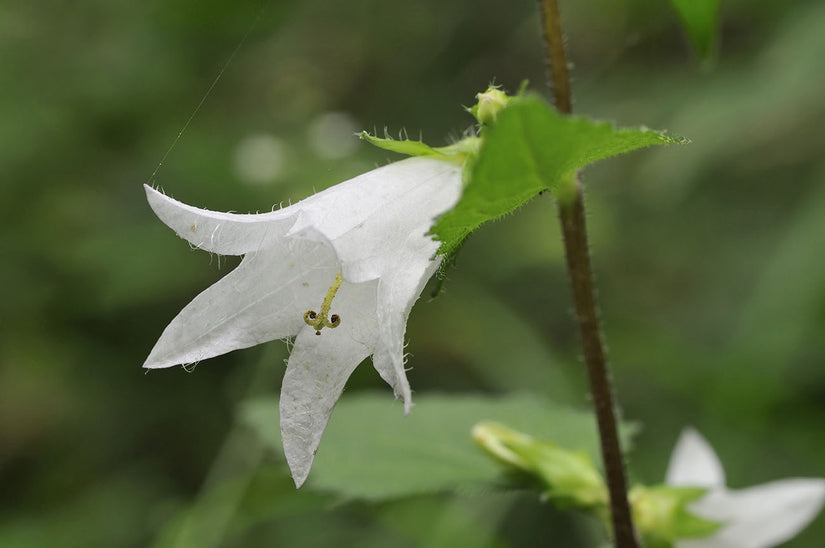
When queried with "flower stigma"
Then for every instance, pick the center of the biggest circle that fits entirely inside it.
(319, 320)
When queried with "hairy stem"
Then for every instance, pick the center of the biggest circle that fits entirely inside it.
(574, 230)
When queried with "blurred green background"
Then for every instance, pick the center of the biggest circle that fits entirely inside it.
(710, 259)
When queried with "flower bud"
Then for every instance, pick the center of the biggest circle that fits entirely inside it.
(489, 105)
(570, 477)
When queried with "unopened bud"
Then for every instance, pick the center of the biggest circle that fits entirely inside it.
(570, 477)
(490, 103)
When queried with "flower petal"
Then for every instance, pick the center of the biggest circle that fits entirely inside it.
(380, 231)
(317, 371)
(762, 516)
(263, 299)
(397, 292)
(694, 463)
(368, 218)
(222, 233)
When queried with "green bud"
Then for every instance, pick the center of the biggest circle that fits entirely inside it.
(662, 516)
(569, 477)
(490, 103)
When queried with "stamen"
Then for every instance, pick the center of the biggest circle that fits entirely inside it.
(319, 320)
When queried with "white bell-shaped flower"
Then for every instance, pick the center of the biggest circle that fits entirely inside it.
(756, 517)
(339, 271)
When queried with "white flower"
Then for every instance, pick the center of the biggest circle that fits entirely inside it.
(357, 255)
(757, 517)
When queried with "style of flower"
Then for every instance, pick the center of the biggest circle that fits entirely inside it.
(756, 517)
(339, 271)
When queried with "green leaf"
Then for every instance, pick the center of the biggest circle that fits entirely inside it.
(371, 451)
(530, 149)
(700, 20)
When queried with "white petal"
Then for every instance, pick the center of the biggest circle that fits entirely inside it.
(397, 292)
(222, 233)
(694, 463)
(368, 218)
(263, 299)
(317, 371)
(378, 224)
(765, 515)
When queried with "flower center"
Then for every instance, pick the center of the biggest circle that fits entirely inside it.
(319, 320)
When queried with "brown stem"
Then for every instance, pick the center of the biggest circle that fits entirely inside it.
(574, 230)
(556, 57)
(578, 265)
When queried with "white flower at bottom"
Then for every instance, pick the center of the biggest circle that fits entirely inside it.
(359, 249)
(757, 517)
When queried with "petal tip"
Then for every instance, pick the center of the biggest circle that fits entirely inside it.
(299, 468)
(299, 480)
(152, 192)
(158, 200)
(154, 365)
(694, 462)
(154, 361)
